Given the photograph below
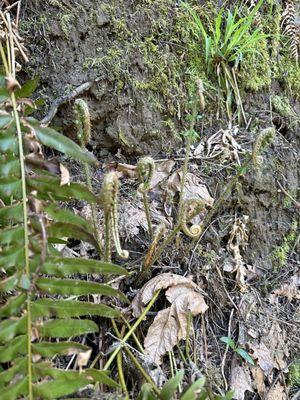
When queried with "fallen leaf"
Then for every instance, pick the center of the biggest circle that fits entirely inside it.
(64, 175)
(171, 324)
(123, 170)
(193, 189)
(258, 380)
(162, 281)
(240, 382)
(162, 171)
(291, 289)
(83, 358)
(186, 299)
(162, 335)
(131, 219)
(261, 353)
(277, 393)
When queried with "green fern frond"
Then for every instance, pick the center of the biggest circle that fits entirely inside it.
(38, 317)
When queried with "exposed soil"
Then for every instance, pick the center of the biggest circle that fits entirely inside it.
(99, 41)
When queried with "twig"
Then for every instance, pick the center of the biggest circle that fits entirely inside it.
(226, 350)
(63, 99)
(297, 204)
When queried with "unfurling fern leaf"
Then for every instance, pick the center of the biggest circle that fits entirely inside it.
(290, 27)
(37, 316)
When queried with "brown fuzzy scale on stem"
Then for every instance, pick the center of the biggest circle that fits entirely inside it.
(263, 140)
(109, 197)
(145, 170)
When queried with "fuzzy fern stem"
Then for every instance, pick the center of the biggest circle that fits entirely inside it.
(145, 169)
(83, 123)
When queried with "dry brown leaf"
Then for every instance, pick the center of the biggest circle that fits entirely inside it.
(162, 281)
(186, 299)
(194, 189)
(240, 382)
(170, 324)
(262, 354)
(290, 290)
(277, 393)
(64, 175)
(123, 170)
(131, 219)
(162, 171)
(162, 335)
(83, 358)
(258, 380)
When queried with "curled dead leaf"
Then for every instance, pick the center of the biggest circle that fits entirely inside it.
(162, 281)
(171, 324)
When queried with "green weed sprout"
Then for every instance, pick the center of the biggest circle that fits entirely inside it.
(225, 47)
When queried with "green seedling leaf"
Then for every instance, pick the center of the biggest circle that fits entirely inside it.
(24, 282)
(171, 386)
(14, 257)
(27, 89)
(100, 376)
(71, 308)
(192, 393)
(228, 341)
(60, 229)
(12, 235)
(245, 355)
(66, 328)
(10, 186)
(5, 120)
(146, 393)
(49, 189)
(11, 213)
(9, 165)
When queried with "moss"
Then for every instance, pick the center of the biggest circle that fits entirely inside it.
(289, 74)
(256, 70)
(280, 254)
(282, 106)
(294, 374)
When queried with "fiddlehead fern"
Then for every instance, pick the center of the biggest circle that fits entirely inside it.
(82, 121)
(190, 209)
(145, 170)
(109, 197)
(83, 124)
(263, 140)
